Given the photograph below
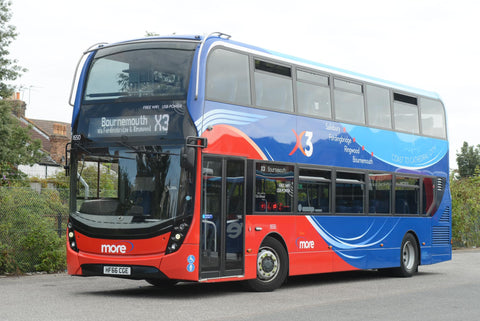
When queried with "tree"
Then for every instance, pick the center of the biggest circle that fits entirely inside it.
(468, 160)
(9, 70)
(16, 145)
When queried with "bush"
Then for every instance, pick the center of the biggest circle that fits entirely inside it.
(7, 264)
(29, 239)
(465, 211)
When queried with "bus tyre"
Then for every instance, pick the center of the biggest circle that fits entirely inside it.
(272, 266)
(408, 257)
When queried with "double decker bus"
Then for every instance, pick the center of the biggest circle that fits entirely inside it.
(205, 159)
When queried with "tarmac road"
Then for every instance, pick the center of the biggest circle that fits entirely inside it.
(445, 291)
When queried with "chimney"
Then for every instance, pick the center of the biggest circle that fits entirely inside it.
(57, 143)
(60, 129)
(18, 106)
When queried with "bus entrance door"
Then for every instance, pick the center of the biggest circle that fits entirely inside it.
(223, 216)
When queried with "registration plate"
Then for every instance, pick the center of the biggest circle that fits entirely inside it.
(117, 270)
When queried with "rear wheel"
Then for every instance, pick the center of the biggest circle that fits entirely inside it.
(272, 266)
(408, 257)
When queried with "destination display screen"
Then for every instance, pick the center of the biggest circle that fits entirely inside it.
(142, 125)
(131, 120)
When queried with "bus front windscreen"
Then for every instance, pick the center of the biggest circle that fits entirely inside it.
(130, 188)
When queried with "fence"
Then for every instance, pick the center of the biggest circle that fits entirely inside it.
(466, 211)
(33, 223)
(466, 230)
(32, 229)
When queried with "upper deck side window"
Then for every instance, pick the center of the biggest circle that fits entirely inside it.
(228, 77)
(433, 118)
(405, 113)
(313, 94)
(273, 86)
(378, 107)
(349, 102)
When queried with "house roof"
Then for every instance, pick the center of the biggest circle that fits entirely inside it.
(47, 126)
(45, 130)
(52, 134)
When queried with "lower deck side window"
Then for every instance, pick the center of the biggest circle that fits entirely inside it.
(273, 187)
(349, 189)
(407, 195)
(314, 191)
(379, 193)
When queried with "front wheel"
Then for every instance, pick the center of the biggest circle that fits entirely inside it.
(408, 257)
(272, 266)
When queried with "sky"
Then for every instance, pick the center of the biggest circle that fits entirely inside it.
(429, 44)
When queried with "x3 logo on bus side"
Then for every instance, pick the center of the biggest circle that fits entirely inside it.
(308, 150)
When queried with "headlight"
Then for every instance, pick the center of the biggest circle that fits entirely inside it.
(178, 235)
(71, 237)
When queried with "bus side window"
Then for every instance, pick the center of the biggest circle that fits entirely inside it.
(349, 103)
(378, 107)
(228, 77)
(433, 118)
(379, 193)
(273, 86)
(314, 190)
(407, 195)
(274, 187)
(349, 190)
(313, 95)
(405, 113)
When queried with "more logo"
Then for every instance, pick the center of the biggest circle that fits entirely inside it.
(122, 247)
(304, 244)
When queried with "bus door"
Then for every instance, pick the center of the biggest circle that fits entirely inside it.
(223, 217)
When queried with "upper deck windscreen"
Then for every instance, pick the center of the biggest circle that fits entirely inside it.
(157, 70)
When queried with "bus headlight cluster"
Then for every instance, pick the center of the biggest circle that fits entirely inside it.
(176, 238)
(71, 237)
